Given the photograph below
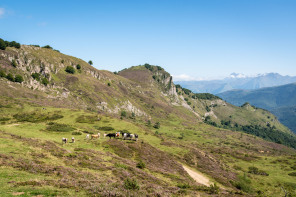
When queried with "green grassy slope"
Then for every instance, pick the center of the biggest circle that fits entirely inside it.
(35, 117)
(100, 167)
(279, 100)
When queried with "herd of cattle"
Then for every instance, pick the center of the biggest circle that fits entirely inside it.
(124, 136)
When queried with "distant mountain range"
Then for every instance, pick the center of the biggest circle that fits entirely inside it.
(237, 81)
(280, 100)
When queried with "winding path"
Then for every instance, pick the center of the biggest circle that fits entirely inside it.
(198, 177)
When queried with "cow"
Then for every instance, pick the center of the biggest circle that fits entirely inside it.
(95, 136)
(87, 136)
(126, 135)
(64, 140)
(117, 134)
(130, 136)
(73, 139)
(110, 135)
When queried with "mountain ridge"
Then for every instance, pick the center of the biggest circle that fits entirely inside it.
(279, 100)
(234, 82)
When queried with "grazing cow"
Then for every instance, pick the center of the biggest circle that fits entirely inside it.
(126, 135)
(117, 134)
(110, 135)
(130, 136)
(64, 140)
(87, 136)
(95, 136)
(73, 139)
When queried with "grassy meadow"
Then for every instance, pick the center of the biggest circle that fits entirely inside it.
(35, 162)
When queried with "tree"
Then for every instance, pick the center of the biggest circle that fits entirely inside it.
(70, 69)
(90, 62)
(78, 66)
(47, 47)
(18, 78)
(2, 44)
(10, 77)
(15, 44)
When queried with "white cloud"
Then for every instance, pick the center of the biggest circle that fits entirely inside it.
(184, 77)
(2, 12)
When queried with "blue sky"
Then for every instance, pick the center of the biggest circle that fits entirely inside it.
(189, 38)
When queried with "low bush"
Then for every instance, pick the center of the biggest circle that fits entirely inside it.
(88, 132)
(141, 164)
(182, 135)
(13, 63)
(157, 125)
(237, 167)
(10, 77)
(4, 118)
(76, 133)
(105, 128)
(255, 170)
(243, 183)
(36, 117)
(18, 79)
(2, 73)
(131, 184)
(123, 114)
(59, 127)
(214, 189)
(292, 174)
(121, 165)
(44, 81)
(36, 76)
(87, 119)
(70, 69)
(183, 185)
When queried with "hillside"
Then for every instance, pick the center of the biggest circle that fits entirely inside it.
(175, 129)
(279, 100)
(236, 81)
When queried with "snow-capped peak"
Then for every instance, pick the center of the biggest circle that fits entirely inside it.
(237, 75)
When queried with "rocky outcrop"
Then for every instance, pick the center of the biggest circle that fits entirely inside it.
(125, 106)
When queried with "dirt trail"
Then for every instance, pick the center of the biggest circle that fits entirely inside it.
(198, 177)
(11, 125)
